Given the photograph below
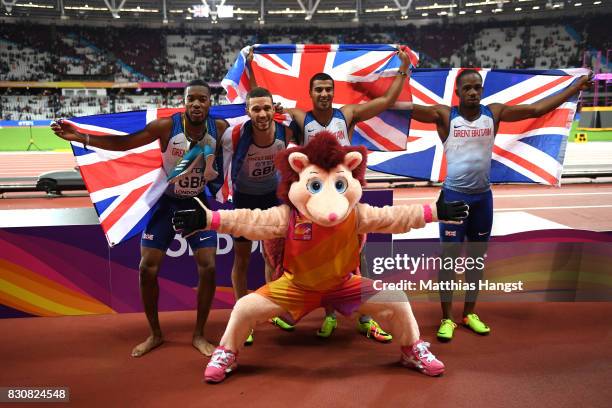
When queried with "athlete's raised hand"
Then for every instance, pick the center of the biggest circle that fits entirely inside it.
(66, 131)
(403, 56)
(249, 57)
(586, 81)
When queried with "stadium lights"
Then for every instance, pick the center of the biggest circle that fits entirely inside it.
(90, 8)
(462, 12)
(517, 9)
(336, 10)
(287, 11)
(577, 4)
(177, 11)
(86, 8)
(487, 3)
(241, 11)
(478, 11)
(425, 14)
(385, 9)
(140, 10)
(436, 6)
(536, 7)
(33, 6)
(596, 2)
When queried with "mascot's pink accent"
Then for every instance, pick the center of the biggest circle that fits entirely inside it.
(427, 212)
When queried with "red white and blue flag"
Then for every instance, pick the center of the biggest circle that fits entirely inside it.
(361, 72)
(529, 151)
(124, 186)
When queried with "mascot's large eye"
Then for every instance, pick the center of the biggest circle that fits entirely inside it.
(341, 184)
(314, 186)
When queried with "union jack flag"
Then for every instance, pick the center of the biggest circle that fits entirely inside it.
(529, 151)
(360, 72)
(124, 186)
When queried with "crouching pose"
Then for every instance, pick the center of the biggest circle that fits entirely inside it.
(321, 184)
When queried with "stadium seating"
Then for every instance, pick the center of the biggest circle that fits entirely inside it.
(134, 54)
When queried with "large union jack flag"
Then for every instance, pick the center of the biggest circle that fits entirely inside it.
(529, 151)
(125, 186)
(361, 73)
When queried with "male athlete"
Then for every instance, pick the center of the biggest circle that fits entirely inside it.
(253, 146)
(178, 135)
(467, 132)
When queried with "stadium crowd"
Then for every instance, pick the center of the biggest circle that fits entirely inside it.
(140, 54)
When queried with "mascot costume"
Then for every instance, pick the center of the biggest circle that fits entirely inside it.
(321, 220)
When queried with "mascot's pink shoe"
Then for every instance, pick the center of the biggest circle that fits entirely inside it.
(418, 356)
(222, 362)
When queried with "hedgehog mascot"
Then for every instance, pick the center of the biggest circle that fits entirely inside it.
(321, 220)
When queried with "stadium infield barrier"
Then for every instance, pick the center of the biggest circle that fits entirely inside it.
(16, 135)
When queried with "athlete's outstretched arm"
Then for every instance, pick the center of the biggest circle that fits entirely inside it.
(505, 113)
(249, 60)
(359, 112)
(429, 114)
(158, 129)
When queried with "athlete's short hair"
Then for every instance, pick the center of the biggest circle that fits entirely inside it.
(198, 82)
(258, 92)
(321, 76)
(464, 73)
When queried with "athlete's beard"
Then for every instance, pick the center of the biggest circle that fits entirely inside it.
(192, 122)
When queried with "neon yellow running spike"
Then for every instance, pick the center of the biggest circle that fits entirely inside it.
(446, 330)
(328, 326)
(473, 322)
(277, 321)
(371, 329)
(249, 341)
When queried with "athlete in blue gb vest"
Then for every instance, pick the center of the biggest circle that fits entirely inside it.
(467, 132)
(179, 134)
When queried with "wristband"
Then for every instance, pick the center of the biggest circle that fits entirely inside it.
(427, 213)
(216, 220)
(402, 73)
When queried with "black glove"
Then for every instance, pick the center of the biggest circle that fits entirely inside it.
(187, 222)
(451, 211)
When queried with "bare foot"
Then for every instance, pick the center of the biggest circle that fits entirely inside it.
(203, 346)
(149, 344)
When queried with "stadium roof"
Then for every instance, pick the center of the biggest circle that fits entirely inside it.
(206, 13)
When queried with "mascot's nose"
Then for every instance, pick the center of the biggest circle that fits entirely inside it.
(332, 217)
